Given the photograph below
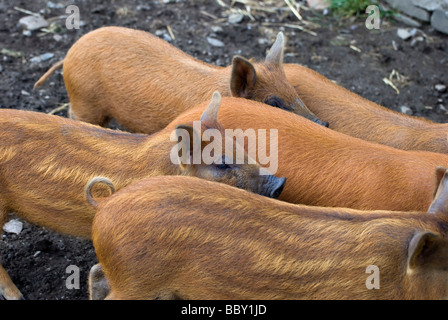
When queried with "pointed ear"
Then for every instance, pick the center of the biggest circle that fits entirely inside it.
(243, 78)
(424, 249)
(440, 201)
(275, 54)
(210, 114)
(189, 145)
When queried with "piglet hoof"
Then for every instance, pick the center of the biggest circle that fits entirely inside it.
(11, 295)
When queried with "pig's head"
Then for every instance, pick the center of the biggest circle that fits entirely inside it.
(427, 263)
(202, 153)
(266, 82)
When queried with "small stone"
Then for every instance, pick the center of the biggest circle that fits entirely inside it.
(217, 29)
(143, 8)
(42, 57)
(13, 226)
(24, 93)
(404, 34)
(415, 40)
(167, 37)
(414, 32)
(162, 33)
(407, 20)
(439, 21)
(263, 41)
(318, 4)
(235, 18)
(406, 110)
(1, 68)
(33, 22)
(408, 8)
(440, 87)
(431, 5)
(57, 37)
(215, 42)
(27, 33)
(52, 5)
(394, 45)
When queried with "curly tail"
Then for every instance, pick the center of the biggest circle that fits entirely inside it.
(90, 185)
(47, 74)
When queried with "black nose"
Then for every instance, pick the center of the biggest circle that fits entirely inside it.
(318, 121)
(277, 190)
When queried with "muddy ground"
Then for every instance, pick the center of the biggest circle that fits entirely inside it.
(343, 50)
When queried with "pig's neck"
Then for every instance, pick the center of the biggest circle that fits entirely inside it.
(200, 77)
(156, 153)
(221, 78)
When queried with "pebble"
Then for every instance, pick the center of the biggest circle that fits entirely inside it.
(404, 34)
(318, 4)
(235, 18)
(52, 5)
(440, 87)
(263, 41)
(408, 8)
(42, 57)
(143, 8)
(431, 5)
(406, 110)
(13, 226)
(1, 68)
(163, 34)
(439, 20)
(32, 23)
(407, 20)
(217, 29)
(415, 40)
(394, 45)
(215, 42)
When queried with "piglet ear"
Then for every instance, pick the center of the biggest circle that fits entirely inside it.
(439, 204)
(188, 146)
(275, 54)
(426, 249)
(243, 78)
(210, 114)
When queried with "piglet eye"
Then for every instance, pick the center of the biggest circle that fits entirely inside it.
(275, 102)
(222, 166)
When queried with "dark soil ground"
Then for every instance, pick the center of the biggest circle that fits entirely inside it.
(37, 258)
